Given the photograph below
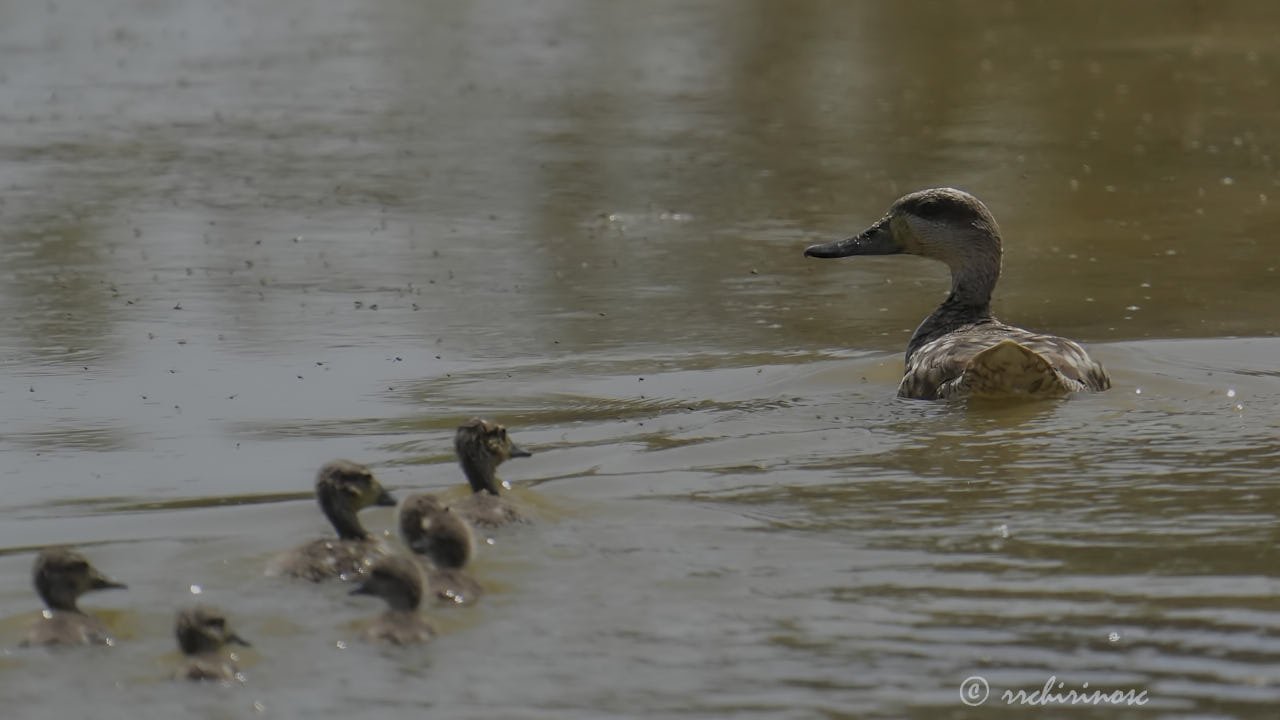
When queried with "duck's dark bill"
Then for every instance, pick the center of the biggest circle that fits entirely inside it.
(875, 240)
(517, 451)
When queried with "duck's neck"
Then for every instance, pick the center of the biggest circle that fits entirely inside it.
(56, 593)
(404, 602)
(481, 473)
(343, 518)
(969, 302)
(59, 604)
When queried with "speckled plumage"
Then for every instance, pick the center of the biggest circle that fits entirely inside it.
(343, 488)
(961, 350)
(481, 447)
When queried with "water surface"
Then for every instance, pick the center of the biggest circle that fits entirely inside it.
(240, 239)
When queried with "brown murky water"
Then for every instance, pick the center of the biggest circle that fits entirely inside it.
(239, 239)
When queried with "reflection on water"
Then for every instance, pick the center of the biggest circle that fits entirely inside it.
(241, 239)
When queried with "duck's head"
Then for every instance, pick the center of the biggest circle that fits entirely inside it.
(413, 510)
(435, 530)
(344, 488)
(203, 629)
(482, 446)
(940, 223)
(396, 579)
(61, 575)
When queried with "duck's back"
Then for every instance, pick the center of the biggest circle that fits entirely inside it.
(453, 587)
(400, 627)
(64, 627)
(206, 666)
(991, 359)
(485, 510)
(329, 559)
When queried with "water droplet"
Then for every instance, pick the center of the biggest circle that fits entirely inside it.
(196, 590)
(1231, 392)
(1113, 636)
(1137, 391)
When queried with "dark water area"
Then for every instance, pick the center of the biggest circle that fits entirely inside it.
(240, 239)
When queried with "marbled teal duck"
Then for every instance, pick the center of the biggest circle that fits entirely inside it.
(962, 350)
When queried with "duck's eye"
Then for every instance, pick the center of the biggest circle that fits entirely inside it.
(941, 210)
(217, 623)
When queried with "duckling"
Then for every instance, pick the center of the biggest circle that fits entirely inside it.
(398, 580)
(342, 488)
(202, 633)
(62, 575)
(482, 446)
(437, 532)
(962, 350)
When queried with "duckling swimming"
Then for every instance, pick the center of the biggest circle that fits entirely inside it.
(61, 576)
(343, 488)
(437, 532)
(482, 446)
(202, 633)
(398, 580)
(961, 349)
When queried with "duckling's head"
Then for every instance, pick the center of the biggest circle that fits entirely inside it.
(435, 530)
(940, 223)
(396, 579)
(343, 488)
(482, 446)
(203, 629)
(62, 575)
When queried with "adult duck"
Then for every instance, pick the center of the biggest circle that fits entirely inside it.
(961, 349)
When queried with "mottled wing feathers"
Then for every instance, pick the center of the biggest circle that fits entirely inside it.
(993, 359)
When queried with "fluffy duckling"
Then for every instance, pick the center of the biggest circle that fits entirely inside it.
(398, 580)
(962, 350)
(439, 534)
(343, 488)
(61, 576)
(202, 634)
(482, 446)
